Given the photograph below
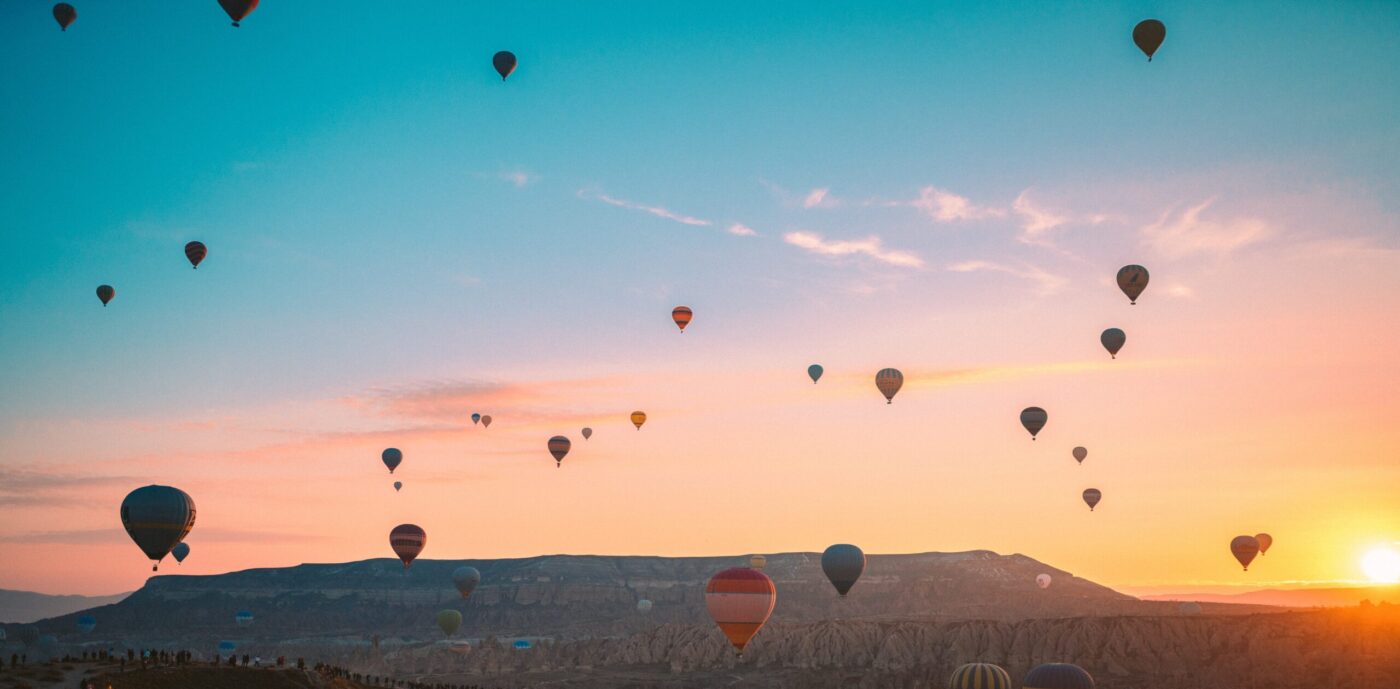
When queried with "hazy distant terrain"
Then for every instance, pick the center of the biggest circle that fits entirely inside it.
(1294, 598)
(27, 606)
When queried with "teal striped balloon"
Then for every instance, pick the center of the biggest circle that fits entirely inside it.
(979, 676)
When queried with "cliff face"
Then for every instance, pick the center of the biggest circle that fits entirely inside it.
(568, 597)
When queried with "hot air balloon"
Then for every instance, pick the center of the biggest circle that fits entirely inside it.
(758, 562)
(1148, 35)
(1079, 454)
(740, 599)
(398, 485)
(466, 579)
(87, 623)
(979, 676)
(1265, 540)
(1034, 418)
(407, 540)
(1057, 676)
(392, 456)
(105, 293)
(227, 647)
(243, 618)
(559, 447)
(157, 518)
(842, 564)
(644, 606)
(1042, 580)
(476, 419)
(1189, 608)
(486, 421)
(1244, 548)
(1132, 280)
(238, 9)
(889, 381)
(180, 551)
(1113, 340)
(448, 621)
(815, 372)
(682, 315)
(639, 418)
(587, 433)
(65, 14)
(1092, 496)
(195, 252)
(521, 644)
(504, 62)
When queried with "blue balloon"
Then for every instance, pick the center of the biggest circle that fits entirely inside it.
(815, 371)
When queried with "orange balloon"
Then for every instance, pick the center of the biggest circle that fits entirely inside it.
(639, 418)
(682, 315)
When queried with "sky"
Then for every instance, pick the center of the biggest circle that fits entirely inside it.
(398, 239)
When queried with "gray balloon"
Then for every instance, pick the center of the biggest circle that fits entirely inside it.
(1034, 418)
(466, 579)
(1112, 340)
(843, 564)
(157, 518)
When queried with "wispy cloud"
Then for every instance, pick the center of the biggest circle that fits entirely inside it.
(518, 178)
(1046, 283)
(942, 205)
(871, 246)
(1177, 235)
(819, 198)
(742, 230)
(657, 211)
(23, 488)
(118, 536)
(1035, 220)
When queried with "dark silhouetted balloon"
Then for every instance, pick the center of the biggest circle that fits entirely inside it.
(105, 293)
(740, 600)
(157, 518)
(398, 485)
(842, 564)
(815, 372)
(504, 62)
(979, 676)
(559, 447)
(486, 421)
(587, 433)
(1033, 419)
(1113, 340)
(1132, 279)
(1244, 548)
(466, 579)
(238, 9)
(682, 315)
(1092, 496)
(448, 621)
(243, 618)
(1265, 540)
(476, 419)
(1079, 454)
(227, 647)
(889, 381)
(1057, 676)
(391, 456)
(65, 14)
(407, 540)
(180, 551)
(87, 623)
(1148, 35)
(195, 252)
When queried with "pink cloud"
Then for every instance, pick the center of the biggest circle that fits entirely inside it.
(942, 205)
(742, 230)
(1188, 233)
(1046, 283)
(871, 246)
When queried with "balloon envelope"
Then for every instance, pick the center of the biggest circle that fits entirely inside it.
(1244, 548)
(889, 381)
(1265, 540)
(1033, 419)
(157, 518)
(486, 421)
(180, 551)
(105, 293)
(559, 447)
(587, 433)
(238, 9)
(448, 621)
(521, 644)
(1092, 496)
(843, 564)
(815, 372)
(392, 457)
(758, 562)
(397, 486)
(1079, 454)
(504, 62)
(1042, 580)
(979, 676)
(87, 623)
(644, 606)
(682, 315)
(466, 579)
(407, 540)
(476, 419)
(639, 418)
(1113, 340)
(1132, 279)
(195, 252)
(1148, 35)
(227, 647)
(64, 14)
(1057, 676)
(243, 618)
(740, 600)
(1189, 608)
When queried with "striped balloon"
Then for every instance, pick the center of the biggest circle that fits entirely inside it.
(195, 252)
(740, 600)
(1092, 496)
(639, 418)
(1132, 279)
(408, 541)
(979, 676)
(682, 315)
(1033, 419)
(1057, 676)
(559, 447)
(1244, 548)
(889, 381)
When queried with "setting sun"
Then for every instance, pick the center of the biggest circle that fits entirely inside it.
(1382, 565)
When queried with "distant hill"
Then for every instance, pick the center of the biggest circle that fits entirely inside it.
(1293, 598)
(570, 597)
(27, 606)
